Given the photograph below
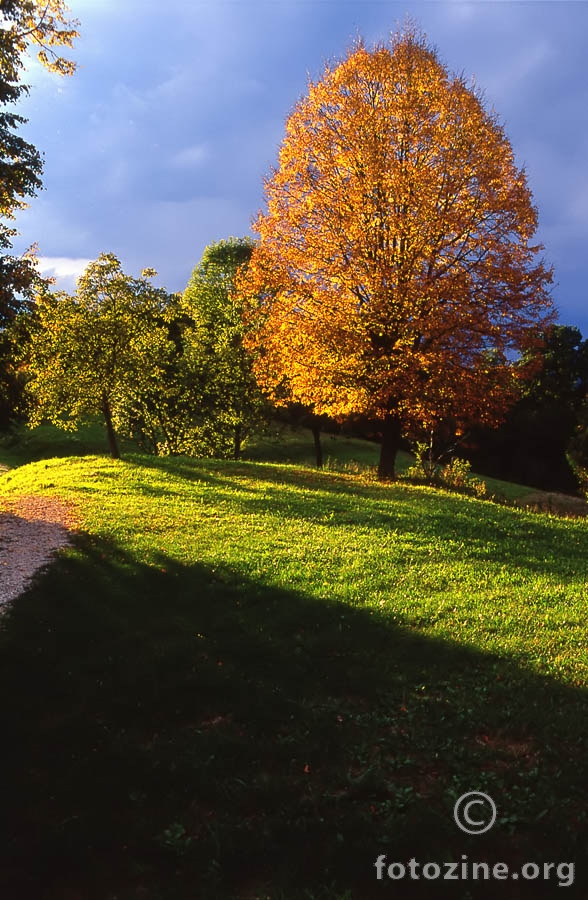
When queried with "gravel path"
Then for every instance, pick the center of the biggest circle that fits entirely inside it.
(32, 529)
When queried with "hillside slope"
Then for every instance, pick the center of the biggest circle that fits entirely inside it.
(249, 680)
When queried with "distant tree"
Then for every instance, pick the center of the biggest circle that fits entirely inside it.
(227, 257)
(231, 403)
(298, 416)
(102, 350)
(395, 272)
(562, 370)
(41, 24)
(533, 443)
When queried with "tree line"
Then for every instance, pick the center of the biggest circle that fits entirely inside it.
(169, 371)
(395, 280)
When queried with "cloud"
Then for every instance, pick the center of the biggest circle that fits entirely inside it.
(65, 269)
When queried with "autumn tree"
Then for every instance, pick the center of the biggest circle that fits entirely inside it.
(215, 356)
(395, 274)
(106, 350)
(24, 24)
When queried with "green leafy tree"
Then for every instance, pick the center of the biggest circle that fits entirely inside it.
(231, 403)
(104, 350)
(24, 24)
(163, 415)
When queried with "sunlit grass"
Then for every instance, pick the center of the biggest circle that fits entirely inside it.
(422, 555)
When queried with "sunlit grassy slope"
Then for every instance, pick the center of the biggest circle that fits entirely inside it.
(278, 444)
(248, 680)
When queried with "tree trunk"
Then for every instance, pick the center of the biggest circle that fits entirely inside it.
(112, 442)
(316, 436)
(391, 434)
(237, 442)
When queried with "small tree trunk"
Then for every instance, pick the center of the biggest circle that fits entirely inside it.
(112, 442)
(237, 442)
(391, 434)
(316, 436)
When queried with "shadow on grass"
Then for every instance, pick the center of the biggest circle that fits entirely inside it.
(25, 445)
(177, 731)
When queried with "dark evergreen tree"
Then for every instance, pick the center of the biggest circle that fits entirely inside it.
(531, 447)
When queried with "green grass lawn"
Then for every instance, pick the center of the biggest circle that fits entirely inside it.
(248, 680)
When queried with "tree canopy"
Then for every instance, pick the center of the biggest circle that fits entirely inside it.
(100, 351)
(231, 402)
(169, 371)
(396, 274)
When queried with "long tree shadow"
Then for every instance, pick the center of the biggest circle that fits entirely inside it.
(489, 533)
(175, 731)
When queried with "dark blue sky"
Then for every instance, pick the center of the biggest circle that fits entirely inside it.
(158, 145)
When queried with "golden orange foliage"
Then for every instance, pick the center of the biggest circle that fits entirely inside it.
(44, 25)
(395, 274)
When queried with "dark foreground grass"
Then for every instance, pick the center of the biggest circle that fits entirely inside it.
(248, 681)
